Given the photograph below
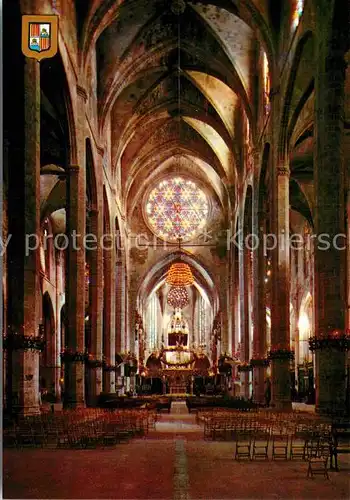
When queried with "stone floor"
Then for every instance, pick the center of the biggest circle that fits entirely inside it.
(173, 462)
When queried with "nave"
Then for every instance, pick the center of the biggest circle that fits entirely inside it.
(176, 212)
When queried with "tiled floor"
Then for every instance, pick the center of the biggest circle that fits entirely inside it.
(173, 462)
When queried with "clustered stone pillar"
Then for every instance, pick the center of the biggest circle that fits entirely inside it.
(229, 295)
(236, 309)
(280, 314)
(259, 305)
(225, 303)
(24, 286)
(132, 301)
(125, 319)
(119, 323)
(74, 393)
(60, 264)
(330, 264)
(244, 312)
(109, 314)
(96, 287)
(232, 302)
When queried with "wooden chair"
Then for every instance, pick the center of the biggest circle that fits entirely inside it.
(298, 447)
(243, 446)
(109, 434)
(39, 435)
(74, 437)
(280, 447)
(219, 429)
(25, 438)
(340, 441)
(318, 458)
(260, 446)
(208, 428)
(10, 437)
(230, 429)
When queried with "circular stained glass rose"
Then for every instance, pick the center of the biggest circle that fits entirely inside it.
(177, 209)
(178, 297)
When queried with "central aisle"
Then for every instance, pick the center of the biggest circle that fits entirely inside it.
(177, 424)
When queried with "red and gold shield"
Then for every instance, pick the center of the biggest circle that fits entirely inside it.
(39, 36)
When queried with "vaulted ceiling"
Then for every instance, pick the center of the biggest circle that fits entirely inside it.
(175, 84)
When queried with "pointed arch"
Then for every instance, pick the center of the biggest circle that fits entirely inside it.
(263, 176)
(157, 273)
(48, 357)
(287, 101)
(91, 182)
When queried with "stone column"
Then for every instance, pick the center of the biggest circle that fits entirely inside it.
(244, 312)
(280, 315)
(231, 302)
(132, 307)
(230, 310)
(127, 314)
(119, 335)
(235, 309)
(259, 304)
(235, 300)
(124, 310)
(74, 394)
(112, 377)
(109, 327)
(222, 267)
(60, 325)
(195, 323)
(24, 265)
(120, 311)
(348, 244)
(330, 263)
(96, 287)
(59, 347)
(297, 355)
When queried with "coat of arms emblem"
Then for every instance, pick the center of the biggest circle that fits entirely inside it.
(39, 36)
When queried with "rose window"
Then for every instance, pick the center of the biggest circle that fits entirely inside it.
(177, 209)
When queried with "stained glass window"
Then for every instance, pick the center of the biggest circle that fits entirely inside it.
(202, 322)
(266, 75)
(177, 208)
(298, 10)
(152, 322)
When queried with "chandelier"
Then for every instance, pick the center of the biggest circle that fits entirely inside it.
(178, 297)
(180, 275)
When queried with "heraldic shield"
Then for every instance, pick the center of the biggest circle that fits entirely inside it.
(39, 36)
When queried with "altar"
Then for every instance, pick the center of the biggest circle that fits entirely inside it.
(176, 363)
(179, 380)
(177, 357)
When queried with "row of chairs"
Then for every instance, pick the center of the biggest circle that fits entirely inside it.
(224, 425)
(276, 447)
(315, 451)
(265, 435)
(82, 430)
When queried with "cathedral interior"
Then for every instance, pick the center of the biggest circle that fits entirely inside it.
(176, 206)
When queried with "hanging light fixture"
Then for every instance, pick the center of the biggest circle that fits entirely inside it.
(178, 297)
(180, 275)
